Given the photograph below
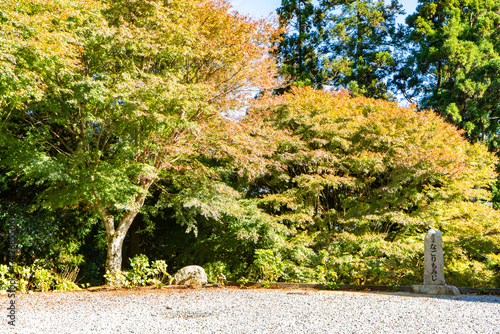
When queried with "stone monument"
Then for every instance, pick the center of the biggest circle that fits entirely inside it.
(434, 283)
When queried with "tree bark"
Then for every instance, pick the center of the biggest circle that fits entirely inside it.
(115, 243)
(116, 236)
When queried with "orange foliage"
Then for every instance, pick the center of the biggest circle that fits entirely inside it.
(363, 180)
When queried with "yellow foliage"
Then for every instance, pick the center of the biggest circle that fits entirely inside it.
(375, 177)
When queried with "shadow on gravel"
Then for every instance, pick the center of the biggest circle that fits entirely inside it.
(466, 298)
(471, 298)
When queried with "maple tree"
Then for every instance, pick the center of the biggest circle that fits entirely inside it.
(364, 179)
(101, 100)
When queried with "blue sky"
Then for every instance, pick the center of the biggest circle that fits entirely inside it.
(263, 8)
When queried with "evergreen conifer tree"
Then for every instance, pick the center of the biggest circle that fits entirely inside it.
(360, 37)
(297, 50)
(454, 66)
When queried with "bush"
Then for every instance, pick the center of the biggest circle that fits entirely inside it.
(159, 273)
(4, 277)
(42, 279)
(140, 274)
(214, 269)
(36, 277)
(269, 264)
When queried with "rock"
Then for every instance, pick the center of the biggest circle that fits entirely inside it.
(190, 275)
(433, 289)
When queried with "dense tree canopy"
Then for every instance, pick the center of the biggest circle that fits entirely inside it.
(360, 42)
(347, 44)
(454, 65)
(364, 178)
(297, 51)
(100, 100)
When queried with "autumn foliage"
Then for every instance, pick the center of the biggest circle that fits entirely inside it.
(119, 112)
(102, 99)
(364, 180)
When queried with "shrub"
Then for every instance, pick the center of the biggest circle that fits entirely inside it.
(269, 264)
(140, 274)
(214, 269)
(159, 273)
(4, 277)
(39, 276)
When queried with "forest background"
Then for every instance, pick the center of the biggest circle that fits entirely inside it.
(265, 150)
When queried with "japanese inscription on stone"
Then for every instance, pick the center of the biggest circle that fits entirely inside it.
(433, 258)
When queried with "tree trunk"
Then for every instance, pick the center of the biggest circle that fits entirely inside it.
(116, 236)
(114, 254)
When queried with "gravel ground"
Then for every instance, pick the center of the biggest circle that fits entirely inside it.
(232, 310)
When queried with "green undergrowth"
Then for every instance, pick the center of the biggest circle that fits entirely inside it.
(142, 273)
(371, 260)
(37, 277)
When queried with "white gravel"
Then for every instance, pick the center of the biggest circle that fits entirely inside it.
(231, 310)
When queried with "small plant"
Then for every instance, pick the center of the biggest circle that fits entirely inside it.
(4, 279)
(23, 277)
(70, 274)
(140, 272)
(42, 279)
(62, 284)
(116, 278)
(39, 276)
(269, 264)
(159, 273)
(331, 286)
(214, 269)
(243, 281)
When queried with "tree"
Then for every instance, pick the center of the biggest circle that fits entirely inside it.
(104, 99)
(364, 179)
(454, 66)
(360, 41)
(297, 51)
(347, 44)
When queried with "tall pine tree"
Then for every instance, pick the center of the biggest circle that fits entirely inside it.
(454, 67)
(297, 50)
(360, 37)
